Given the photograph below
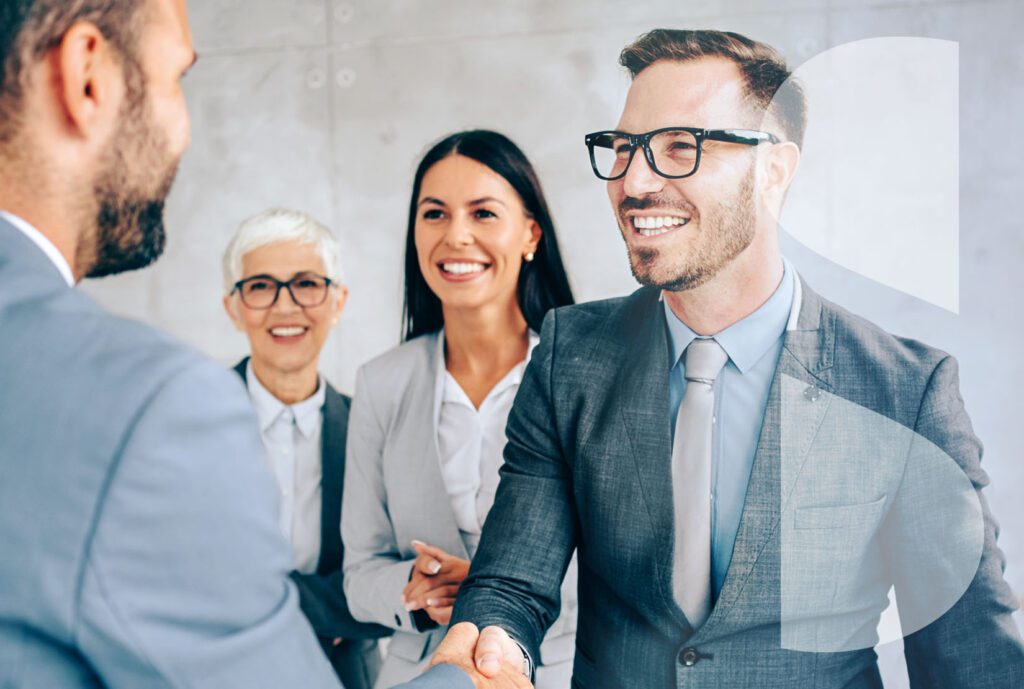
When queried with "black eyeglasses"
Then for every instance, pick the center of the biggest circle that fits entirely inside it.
(672, 152)
(261, 291)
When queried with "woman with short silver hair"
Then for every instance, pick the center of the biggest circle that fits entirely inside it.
(283, 289)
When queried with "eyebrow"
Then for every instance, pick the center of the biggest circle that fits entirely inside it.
(474, 202)
(268, 276)
(486, 199)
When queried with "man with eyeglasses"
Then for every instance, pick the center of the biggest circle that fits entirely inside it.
(283, 289)
(745, 468)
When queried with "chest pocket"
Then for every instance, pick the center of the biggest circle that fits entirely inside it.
(854, 518)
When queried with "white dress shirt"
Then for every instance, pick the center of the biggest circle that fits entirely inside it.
(471, 442)
(291, 436)
(47, 247)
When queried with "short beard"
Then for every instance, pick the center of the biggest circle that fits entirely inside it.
(726, 230)
(131, 234)
(129, 193)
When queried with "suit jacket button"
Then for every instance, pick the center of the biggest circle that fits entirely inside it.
(689, 657)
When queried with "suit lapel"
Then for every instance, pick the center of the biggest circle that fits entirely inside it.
(795, 411)
(643, 400)
(241, 368)
(433, 481)
(332, 457)
(333, 431)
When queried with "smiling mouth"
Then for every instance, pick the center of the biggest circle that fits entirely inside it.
(462, 268)
(288, 331)
(653, 226)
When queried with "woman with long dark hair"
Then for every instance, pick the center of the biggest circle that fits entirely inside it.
(427, 428)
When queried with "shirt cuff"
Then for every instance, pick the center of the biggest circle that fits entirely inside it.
(528, 668)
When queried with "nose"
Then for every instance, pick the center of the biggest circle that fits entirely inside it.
(640, 179)
(285, 304)
(458, 233)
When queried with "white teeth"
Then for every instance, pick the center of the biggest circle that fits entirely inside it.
(652, 233)
(287, 332)
(462, 268)
(653, 223)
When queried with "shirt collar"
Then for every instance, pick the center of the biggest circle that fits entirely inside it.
(269, 409)
(749, 339)
(44, 244)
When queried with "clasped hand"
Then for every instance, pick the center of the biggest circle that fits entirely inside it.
(434, 584)
(490, 658)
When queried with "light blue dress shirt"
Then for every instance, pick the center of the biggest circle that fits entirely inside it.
(741, 397)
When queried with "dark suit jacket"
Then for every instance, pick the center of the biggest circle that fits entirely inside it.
(588, 466)
(322, 595)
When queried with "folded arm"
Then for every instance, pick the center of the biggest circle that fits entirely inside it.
(376, 572)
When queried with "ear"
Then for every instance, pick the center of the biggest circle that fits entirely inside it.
(231, 309)
(90, 81)
(535, 235)
(338, 303)
(780, 168)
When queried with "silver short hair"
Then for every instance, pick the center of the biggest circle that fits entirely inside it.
(280, 225)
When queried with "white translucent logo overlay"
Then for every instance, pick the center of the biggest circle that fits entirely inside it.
(869, 508)
(878, 186)
(881, 531)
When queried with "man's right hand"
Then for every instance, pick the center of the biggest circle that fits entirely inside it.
(491, 658)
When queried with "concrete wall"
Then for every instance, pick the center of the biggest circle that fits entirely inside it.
(326, 106)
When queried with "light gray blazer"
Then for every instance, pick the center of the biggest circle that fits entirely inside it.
(394, 493)
(137, 516)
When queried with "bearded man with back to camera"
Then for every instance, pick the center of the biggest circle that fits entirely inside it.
(132, 484)
(133, 489)
(655, 434)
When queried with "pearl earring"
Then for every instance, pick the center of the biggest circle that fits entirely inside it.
(528, 257)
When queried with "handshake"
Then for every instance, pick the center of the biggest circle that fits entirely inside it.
(489, 660)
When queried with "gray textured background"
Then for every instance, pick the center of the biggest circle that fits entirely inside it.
(326, 106)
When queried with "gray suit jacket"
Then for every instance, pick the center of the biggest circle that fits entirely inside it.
(588, 467)
(394, 493)
(321, 594)
(137, 517)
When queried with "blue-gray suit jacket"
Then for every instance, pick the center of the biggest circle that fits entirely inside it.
(588, 466)
(137, 515)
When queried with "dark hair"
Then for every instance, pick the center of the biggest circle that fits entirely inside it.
(543, 284)
(31, 28)
(768, 79)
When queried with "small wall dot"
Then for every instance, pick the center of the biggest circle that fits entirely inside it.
(316, 78)
(345, 77)
(343, 13)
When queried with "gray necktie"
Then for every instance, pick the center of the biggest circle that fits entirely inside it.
(691, 481)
